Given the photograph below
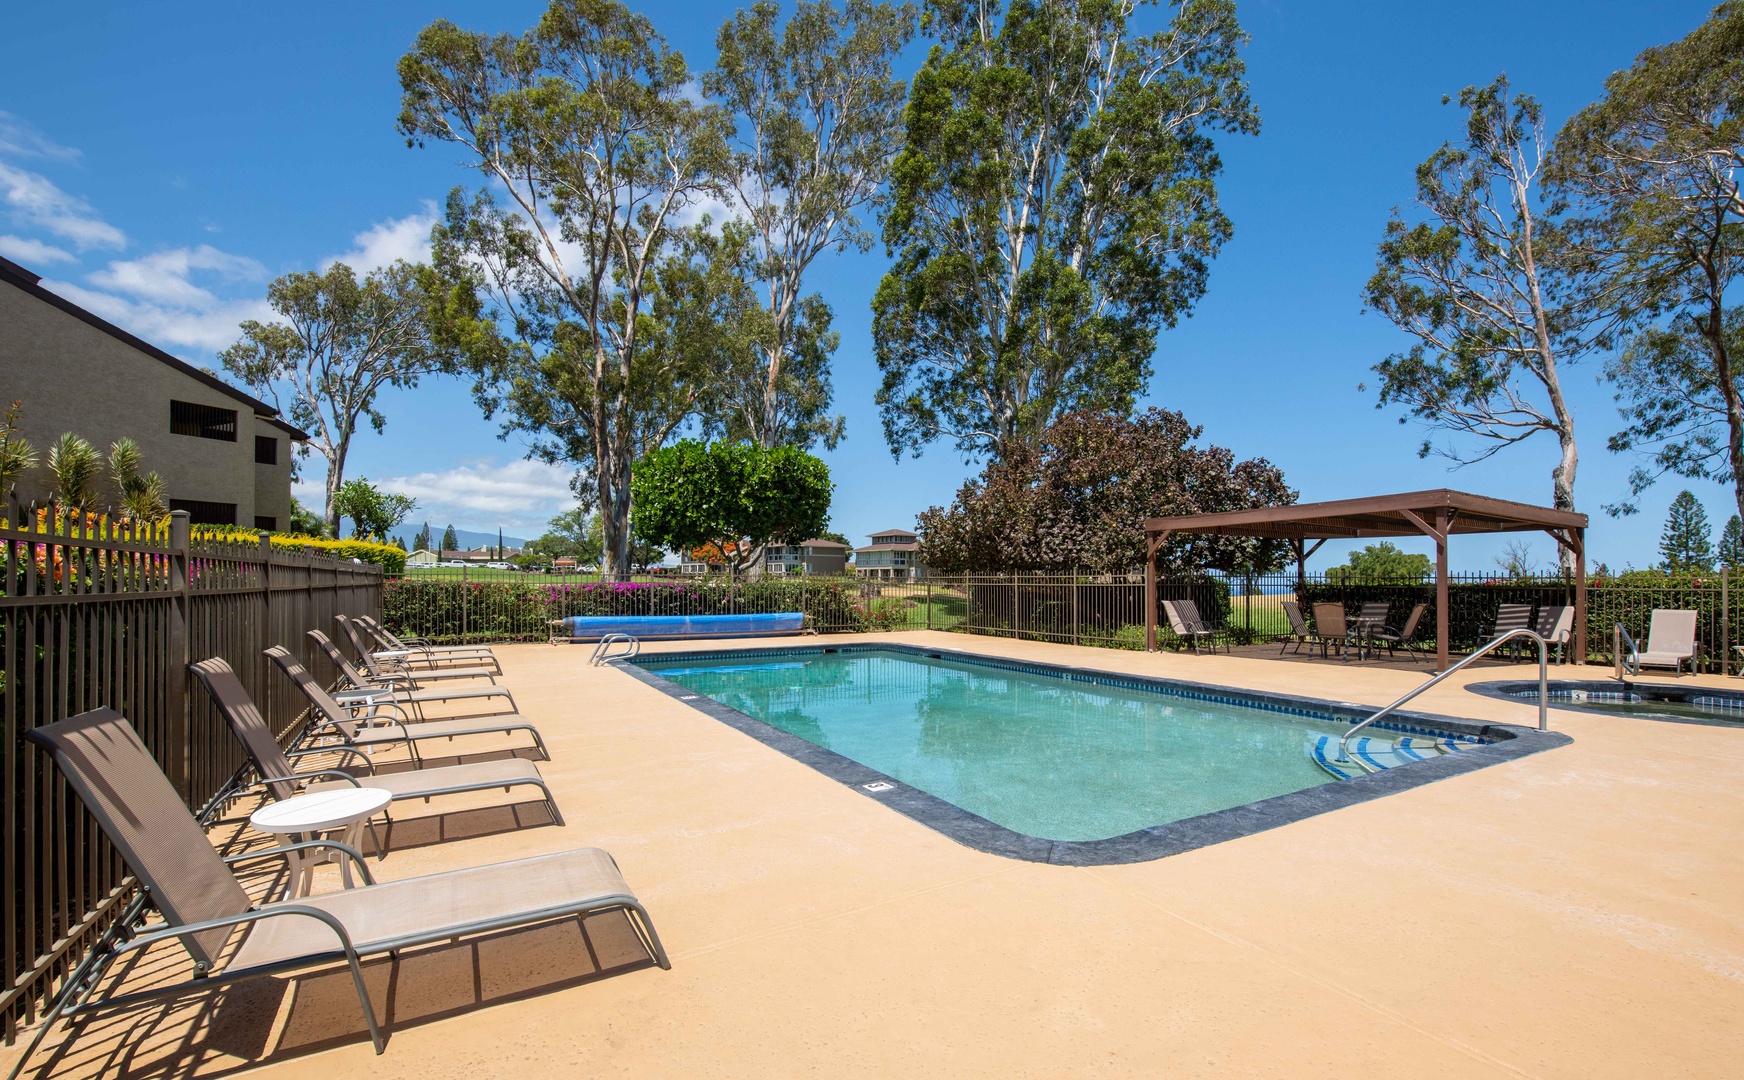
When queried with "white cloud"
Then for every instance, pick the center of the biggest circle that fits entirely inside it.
(381, 244)
(521, 493)
(209, 326)
(19, 139)
(35, 202)
(33, 252)
(164, 277)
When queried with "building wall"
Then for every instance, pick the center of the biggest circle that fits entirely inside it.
(272, 483)
(72, 376)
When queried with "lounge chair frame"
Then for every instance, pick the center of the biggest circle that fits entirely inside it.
(77, 994)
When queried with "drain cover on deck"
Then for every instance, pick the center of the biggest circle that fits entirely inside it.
(879, 785)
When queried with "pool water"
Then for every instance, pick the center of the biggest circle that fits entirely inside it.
(1695, 708)
(1037, 753)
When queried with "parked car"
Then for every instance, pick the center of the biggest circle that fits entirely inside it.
(454, 562)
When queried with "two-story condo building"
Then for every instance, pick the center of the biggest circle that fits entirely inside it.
(225, 456)
(893, 555)
(815, 556)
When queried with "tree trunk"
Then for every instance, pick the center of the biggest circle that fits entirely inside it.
(335, 477)
(1714, 329)
(1562, 488)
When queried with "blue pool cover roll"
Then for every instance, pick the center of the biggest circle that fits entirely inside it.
(594, 627)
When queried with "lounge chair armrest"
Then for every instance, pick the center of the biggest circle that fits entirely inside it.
(344, 849)
(400, 712)
(168, 933)
(341, 748)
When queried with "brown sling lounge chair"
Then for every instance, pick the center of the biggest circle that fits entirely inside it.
(281, 780)
(1403, 636)
(384, 664)
(1331, 628)
(335, 720)
(202, 904)
(361, 689)
(1186, 629)
(1300, 632)
(418, 647)
(369, 635)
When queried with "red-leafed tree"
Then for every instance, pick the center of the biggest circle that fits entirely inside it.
(1078, 499)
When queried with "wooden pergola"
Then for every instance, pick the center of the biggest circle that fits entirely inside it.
(1437, 514)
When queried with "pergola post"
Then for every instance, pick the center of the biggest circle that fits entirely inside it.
(1442, 520)
(1153, 541)
(1580, 595)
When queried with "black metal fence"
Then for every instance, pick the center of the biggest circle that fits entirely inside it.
(1087, 609)
(94, 614)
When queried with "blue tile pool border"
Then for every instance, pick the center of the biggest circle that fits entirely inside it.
(1497, 743)
(1719, 699)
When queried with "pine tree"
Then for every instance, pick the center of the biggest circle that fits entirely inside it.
(1732, 543)
(421, 542)
(1686, 543)
(450, 542)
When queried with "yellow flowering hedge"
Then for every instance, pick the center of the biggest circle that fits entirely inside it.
(391, 559)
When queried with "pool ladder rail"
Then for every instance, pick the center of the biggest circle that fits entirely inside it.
(603, 654)
(1627, 663)
(1343, 757)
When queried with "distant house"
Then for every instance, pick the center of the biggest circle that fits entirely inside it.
(893, 555)
(225, 456)
(816, 556)
(421, 557)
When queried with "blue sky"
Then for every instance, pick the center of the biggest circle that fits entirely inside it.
(161, 164)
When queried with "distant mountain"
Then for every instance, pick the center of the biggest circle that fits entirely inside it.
(468, 538)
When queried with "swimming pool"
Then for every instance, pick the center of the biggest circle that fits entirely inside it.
(1045, 762)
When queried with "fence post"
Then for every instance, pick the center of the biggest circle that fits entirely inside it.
(1725, 622)
(929, 603)
(464, 602)
(177, 706)
(268, 628)
(1074, 588)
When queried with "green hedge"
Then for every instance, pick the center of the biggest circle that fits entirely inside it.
(478, 611)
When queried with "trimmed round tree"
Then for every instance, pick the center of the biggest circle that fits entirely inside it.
(737, 496)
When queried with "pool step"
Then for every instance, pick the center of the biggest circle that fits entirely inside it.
(1370, 754)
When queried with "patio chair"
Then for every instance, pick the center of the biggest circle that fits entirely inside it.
(376, 663)
(1404, 635)
(202, 904)
(1511, 617)
(280, 780)
(401, 689)
(1190, 612)
(369, 729)
(1555, 624)
(1671, 639)
(1300, 632)
(390, 642)
(420, 657)
(1331, 628)
(1184, 629)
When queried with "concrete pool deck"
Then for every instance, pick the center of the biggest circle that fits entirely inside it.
(1574, 913)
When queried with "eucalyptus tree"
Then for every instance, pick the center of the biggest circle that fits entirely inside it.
(1053, 208)
(1484, 283)
(1655, 166)
(817, 116)
(339, 342)
(586, 126)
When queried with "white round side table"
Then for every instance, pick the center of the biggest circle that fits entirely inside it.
(305, 817)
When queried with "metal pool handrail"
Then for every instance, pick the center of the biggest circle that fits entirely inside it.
(1631, 663)
(1543, 685)
(602, 653)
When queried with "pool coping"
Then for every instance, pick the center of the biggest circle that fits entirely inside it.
(1510, 742)
(1495, 689)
